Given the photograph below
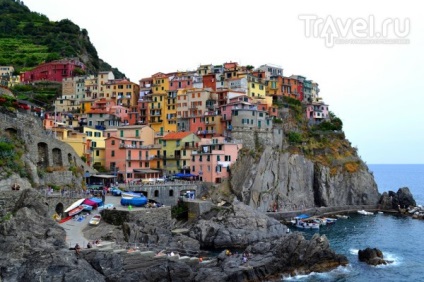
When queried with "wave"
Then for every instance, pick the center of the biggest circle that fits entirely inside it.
(338, 272)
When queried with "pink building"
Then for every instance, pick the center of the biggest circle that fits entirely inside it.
(52, 71)
(317, 112)
(180, 81)
(129, 152)
(214, 158)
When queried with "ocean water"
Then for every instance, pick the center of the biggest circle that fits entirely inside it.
(399, 238)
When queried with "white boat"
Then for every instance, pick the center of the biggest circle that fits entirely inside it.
(307, 224)
(364, 212)
(342, 216)
(75, 204)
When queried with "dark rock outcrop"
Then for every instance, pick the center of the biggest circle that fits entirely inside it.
(284, 182)
(401, 199)
(235, 226)
(372, 256)
(33, 246)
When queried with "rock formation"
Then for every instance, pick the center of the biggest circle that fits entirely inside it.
(285, 181)
(372, 256)
(401, 199)
(34, 249)
(33, 246)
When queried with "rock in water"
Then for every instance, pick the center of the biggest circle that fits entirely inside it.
(372, 256)
(402, 199)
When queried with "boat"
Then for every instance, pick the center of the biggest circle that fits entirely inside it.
(98, 201)
(326, 220)
(134, 201)
(364, 212)
(89, 202)
(75, 204)
(116, 191)
(307, 224)
(130, 194)
(342, 216)
(106, 206)
(87, 207)
(75, 211)
(95, 220)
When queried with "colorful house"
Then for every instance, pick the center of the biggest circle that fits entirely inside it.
(129, 152)
(96, 154)
(213, 159)
(52, 71)
(176, 151)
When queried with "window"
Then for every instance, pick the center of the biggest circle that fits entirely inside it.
(218, 168)
(93, 144)
(113, 142)
(97, 153)
(146, 164)
(112, 153)
(184, 152)
(164, 143)
(178, 143)
(156, 194)
(122, 133)
(227, 158)
(171, 193)
(218, 158)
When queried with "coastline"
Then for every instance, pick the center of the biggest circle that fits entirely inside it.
(287, 215)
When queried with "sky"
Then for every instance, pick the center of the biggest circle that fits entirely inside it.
(367, 56)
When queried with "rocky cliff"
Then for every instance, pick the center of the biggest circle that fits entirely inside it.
(277, 180)
(33, 248)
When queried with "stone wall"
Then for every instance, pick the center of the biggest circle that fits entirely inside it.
(167, 194)
(43, 151)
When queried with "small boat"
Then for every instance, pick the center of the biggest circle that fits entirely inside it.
(107, 206)
(364, 212)
(134, 201)
(87, 207)
(130, 195)
(307, 224)
(75, 211)
(74, 205)
(342, 216)
(95, 220)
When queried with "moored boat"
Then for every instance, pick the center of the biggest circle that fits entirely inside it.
(75, 211)
(364, 212)
(75, 204)
(307, 223)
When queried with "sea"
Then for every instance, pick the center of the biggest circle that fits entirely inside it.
(400, 238)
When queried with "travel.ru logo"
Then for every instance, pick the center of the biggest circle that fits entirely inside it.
(357, 30)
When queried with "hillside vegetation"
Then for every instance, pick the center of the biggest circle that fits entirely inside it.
(30, 38)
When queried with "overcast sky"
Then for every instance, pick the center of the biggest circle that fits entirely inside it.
(372, 86)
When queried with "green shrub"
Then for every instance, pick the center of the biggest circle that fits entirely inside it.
(295, 137)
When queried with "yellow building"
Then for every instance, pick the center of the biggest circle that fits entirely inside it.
(176, 151)
(170, 112)
(158, 103)
(97, 149)
(255, 87)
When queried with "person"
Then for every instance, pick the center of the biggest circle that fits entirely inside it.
(89, 246)
(77, 249)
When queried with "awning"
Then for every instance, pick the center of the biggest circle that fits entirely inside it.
(144, 171)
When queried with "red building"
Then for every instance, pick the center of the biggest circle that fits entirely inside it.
(52, 71)
(209, 81)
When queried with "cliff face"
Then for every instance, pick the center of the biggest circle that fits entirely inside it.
(283, 181)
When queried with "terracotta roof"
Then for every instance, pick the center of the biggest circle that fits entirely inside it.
(176, 135)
